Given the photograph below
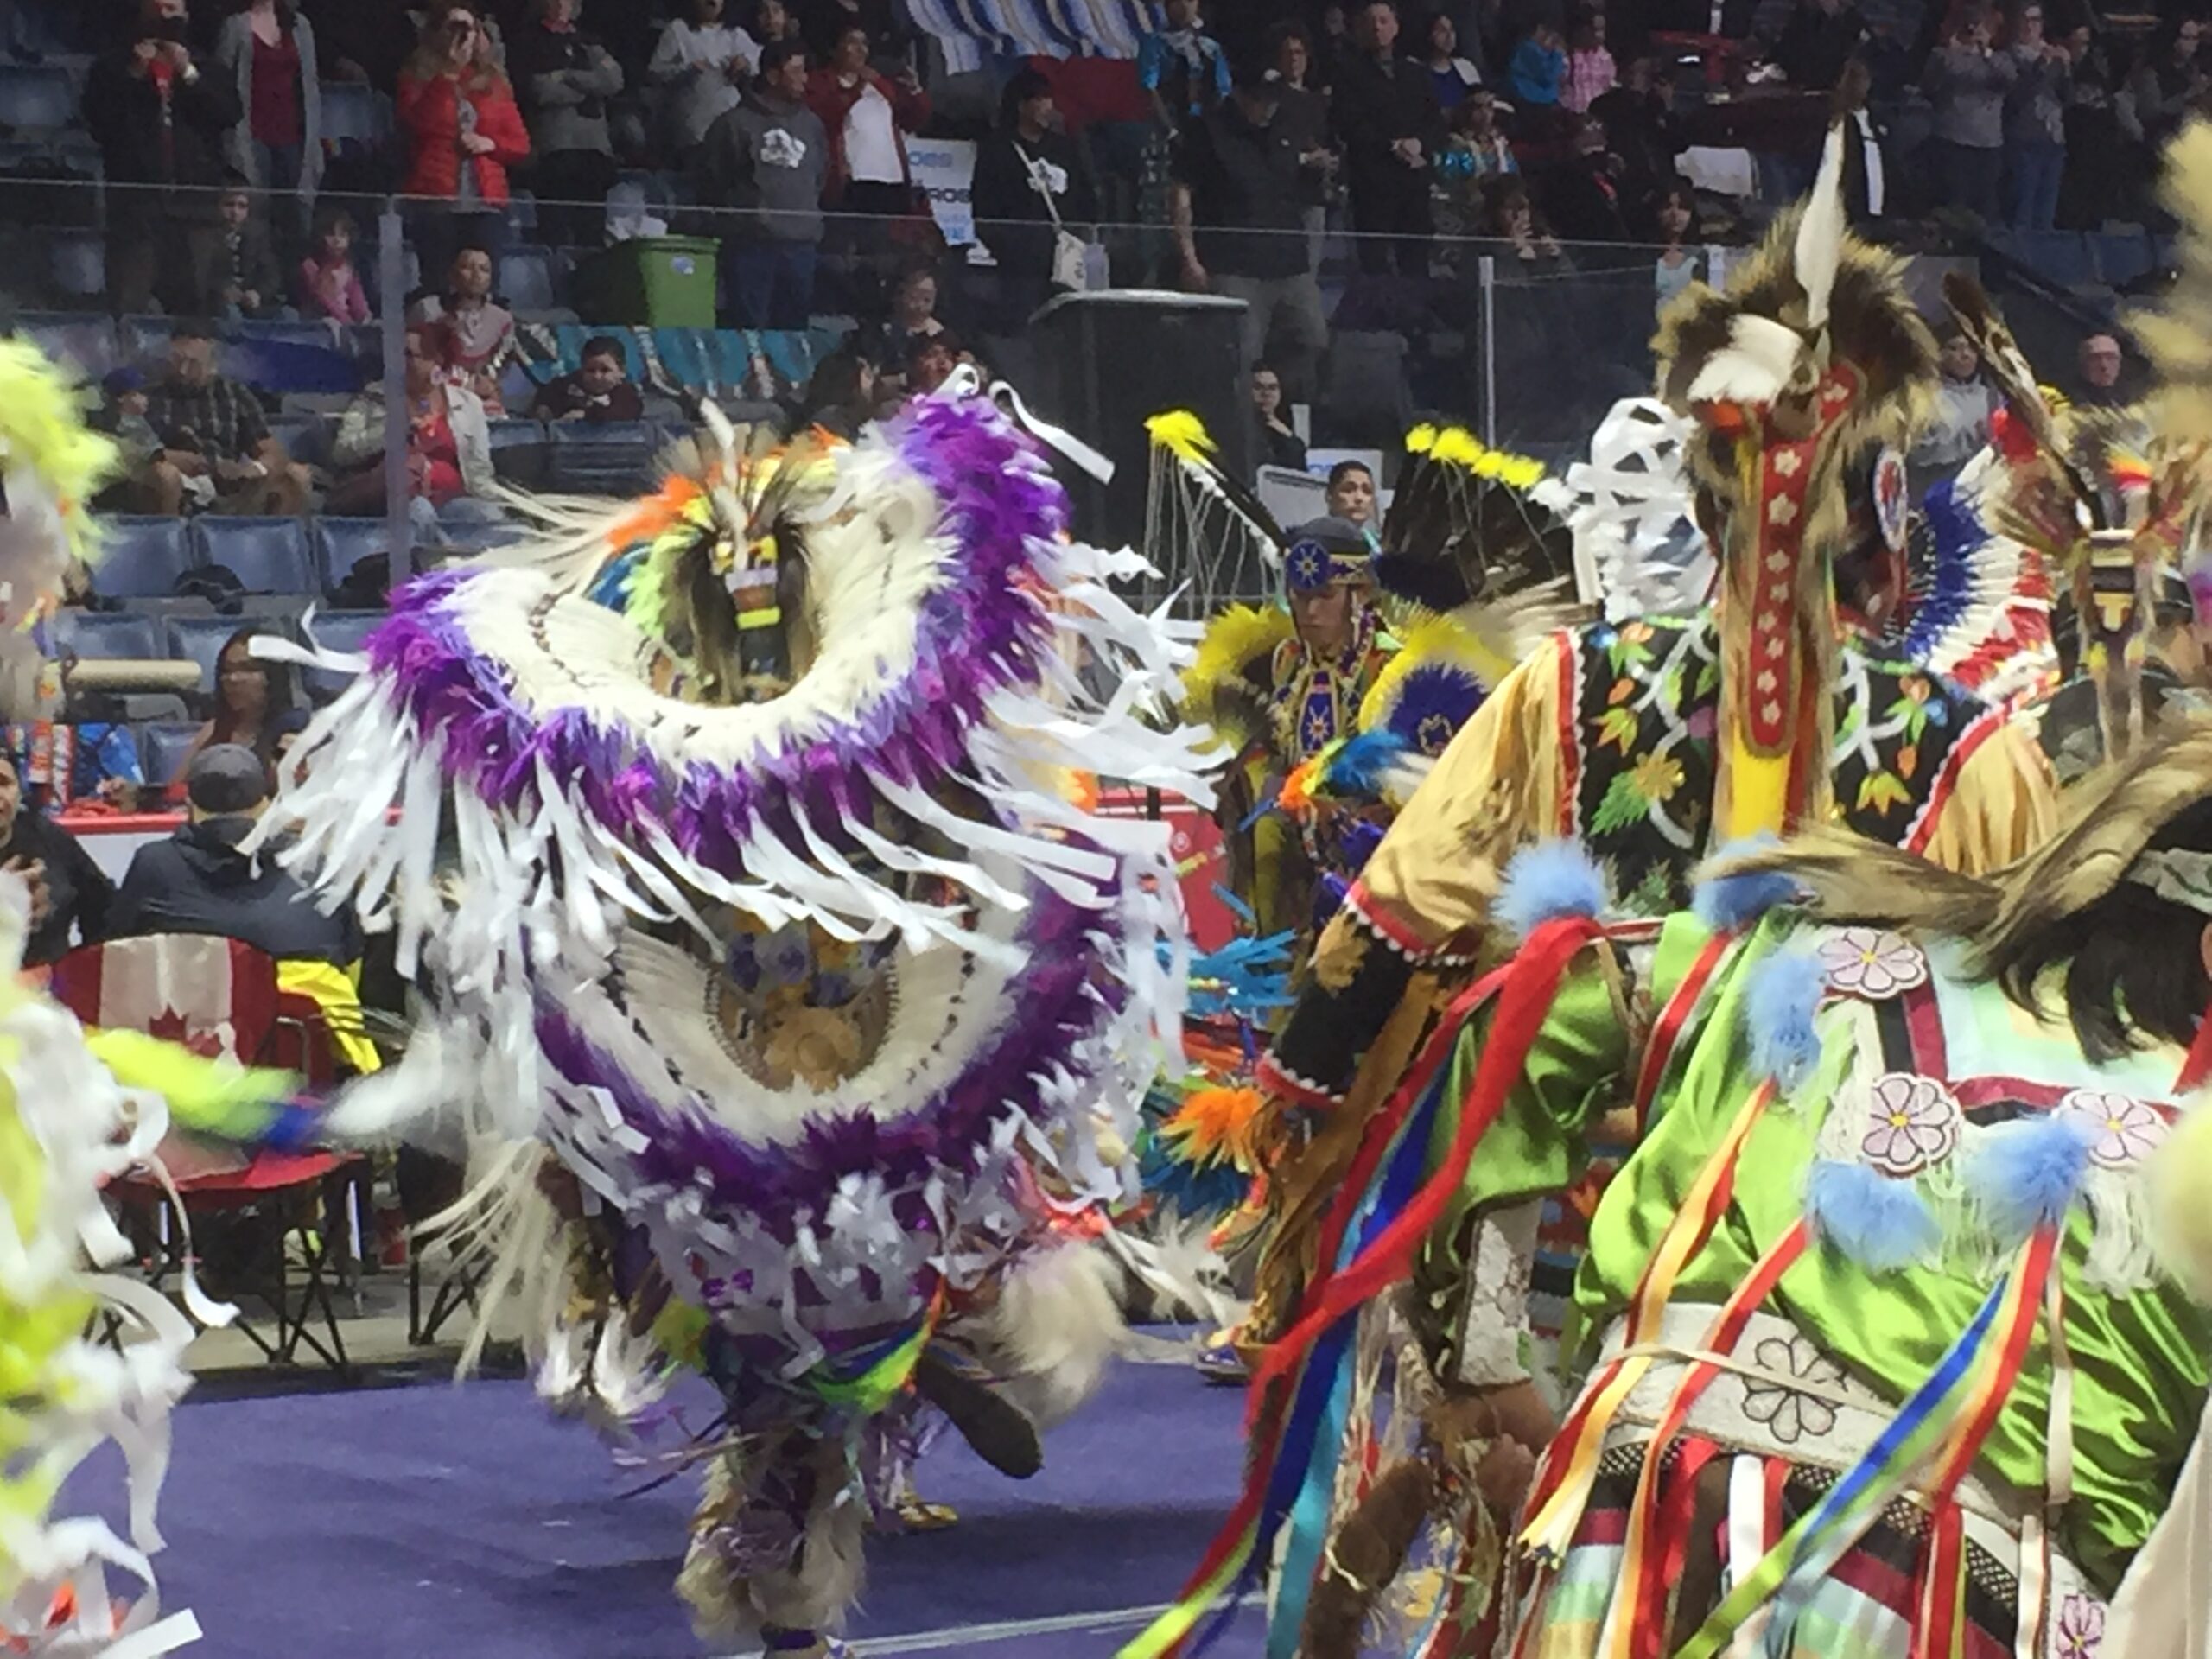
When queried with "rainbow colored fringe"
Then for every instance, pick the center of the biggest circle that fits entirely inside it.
(1386, 1206)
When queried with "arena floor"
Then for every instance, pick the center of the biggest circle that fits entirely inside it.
(435, 1519)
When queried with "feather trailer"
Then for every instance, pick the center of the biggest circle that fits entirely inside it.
(1821, 230)
(1469, 522)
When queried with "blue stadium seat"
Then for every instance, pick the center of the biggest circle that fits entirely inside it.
(344, 543)
(200, 639)
(73, 337)
(522, 212)
(2061, 257)
(107, 635)
(2122, 256)
(356, 112)
(167, 743)
(612, 458)
(142, 558)
(337, 631)
(525, 278)
(270, 555)
(78, 260)
(36, 98)
(519, 452)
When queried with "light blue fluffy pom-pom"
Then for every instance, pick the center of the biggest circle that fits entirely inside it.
(1882, 1224)
(1778, 1007)
(1548, 881)
(2027, 1172)
(1729, 904)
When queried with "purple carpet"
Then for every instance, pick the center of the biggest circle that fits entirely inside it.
(465, 1520)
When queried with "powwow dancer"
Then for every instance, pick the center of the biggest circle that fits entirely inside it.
(743, 855)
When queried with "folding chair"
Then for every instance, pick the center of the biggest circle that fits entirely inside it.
(217, 996)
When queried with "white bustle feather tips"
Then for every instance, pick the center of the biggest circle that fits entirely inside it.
(1820, 231)
(534, 903)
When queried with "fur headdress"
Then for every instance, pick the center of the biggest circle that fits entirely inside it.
(1812, 357)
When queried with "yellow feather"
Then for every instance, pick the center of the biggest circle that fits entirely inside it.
(1182, 432)
(1421, 439)
(1457, 446)
(42, 426)
(1232, 639)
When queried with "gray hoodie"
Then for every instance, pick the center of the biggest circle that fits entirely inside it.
(1968, 89)
(769, 160)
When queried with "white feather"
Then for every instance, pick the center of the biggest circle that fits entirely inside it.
(1820, 231)
(1755, 366)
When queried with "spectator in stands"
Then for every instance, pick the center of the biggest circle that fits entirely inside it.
(2035, 122)
(1029, 189)
(329, 287)
(268, 49)
(1302, 113)
(1679, 264)
(1583, 192)
(705, 63)
(2100, 366)
(123, 418)
(1820, 38)
(69, 892)
(2167, 81)
(1280, 445)
(1385, 110)
(1475, 155)
(867, 117)
(463, 132)
(235, 275)
(160, 124)
(823, 23)
(473, 335)
(1514, 220)
(563, 76)
(251, 696)
(1968, 81)
(1966, 406)
(106, 768)
(1538, 72)
(600, 390)
(1590, 72)
(216, 445)
(1350, 497)
(1643, 130)
(1240, 226)
(913, 315)
(768, 162)
(198, 881)
(1452, 75)
(1182, 67)
(929, 362)
(2096, 149)
(773, 21)
(449, 475)
(842, 397)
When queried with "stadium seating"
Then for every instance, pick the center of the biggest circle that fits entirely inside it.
(165, 745)
(359, 113)
(341, 631)
(269, 555)
(612, 458)
(107, 636)
(200, 639)
(526, 280)
(36, 98)
(344, 543)
(142, 558)
(78, 263)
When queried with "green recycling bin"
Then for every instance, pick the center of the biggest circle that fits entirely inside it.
(658, 282)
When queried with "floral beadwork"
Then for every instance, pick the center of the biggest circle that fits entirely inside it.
(1872, 962)
(1790, 1415)
(2127, 1130)
(1914, 1124)
(2081, 1630)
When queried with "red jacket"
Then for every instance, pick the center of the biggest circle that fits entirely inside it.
(833, 101)
(430, 111)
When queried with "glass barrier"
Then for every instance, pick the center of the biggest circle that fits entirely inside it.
(558, 345)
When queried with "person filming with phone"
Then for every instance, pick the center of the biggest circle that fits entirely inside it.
(161, 125)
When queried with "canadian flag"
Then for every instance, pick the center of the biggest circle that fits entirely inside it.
(213, 996)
